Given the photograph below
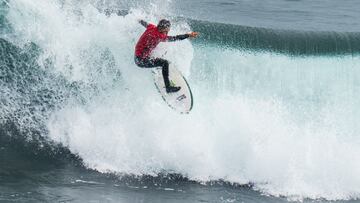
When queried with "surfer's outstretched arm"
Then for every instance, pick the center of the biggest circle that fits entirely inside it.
(182, 37)
(143, 23)
(177, 37)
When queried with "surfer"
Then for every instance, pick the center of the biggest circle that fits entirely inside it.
(147, 43)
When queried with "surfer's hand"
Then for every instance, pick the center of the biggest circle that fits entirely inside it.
(193, 34)
(143, 23)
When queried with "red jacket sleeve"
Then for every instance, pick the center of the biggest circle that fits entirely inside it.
(150, 26)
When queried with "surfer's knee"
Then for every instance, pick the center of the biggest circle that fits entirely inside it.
(166, 63)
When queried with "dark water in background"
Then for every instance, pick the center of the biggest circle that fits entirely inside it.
(61, 141)
(310, 15)
(286, 26)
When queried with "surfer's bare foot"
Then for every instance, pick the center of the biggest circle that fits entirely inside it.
(172, 89)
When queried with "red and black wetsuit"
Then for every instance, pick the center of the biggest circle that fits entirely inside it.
(147, 43)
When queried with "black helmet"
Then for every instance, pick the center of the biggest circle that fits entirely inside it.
(163, 24)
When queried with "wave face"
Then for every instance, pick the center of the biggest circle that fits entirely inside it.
(289, 42)
(285, 123)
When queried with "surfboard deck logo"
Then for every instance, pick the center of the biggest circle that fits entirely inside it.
(181, 101)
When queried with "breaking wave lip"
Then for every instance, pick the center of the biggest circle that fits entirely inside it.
(92, 100)
(289, 42)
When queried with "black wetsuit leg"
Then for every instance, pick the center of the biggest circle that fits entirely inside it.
(156, 62)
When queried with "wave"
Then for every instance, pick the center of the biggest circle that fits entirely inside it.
(290, 42)
(68, 74)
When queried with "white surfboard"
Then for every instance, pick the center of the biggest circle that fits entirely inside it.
(181, 101)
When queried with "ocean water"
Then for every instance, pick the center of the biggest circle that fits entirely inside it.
(275, 119)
